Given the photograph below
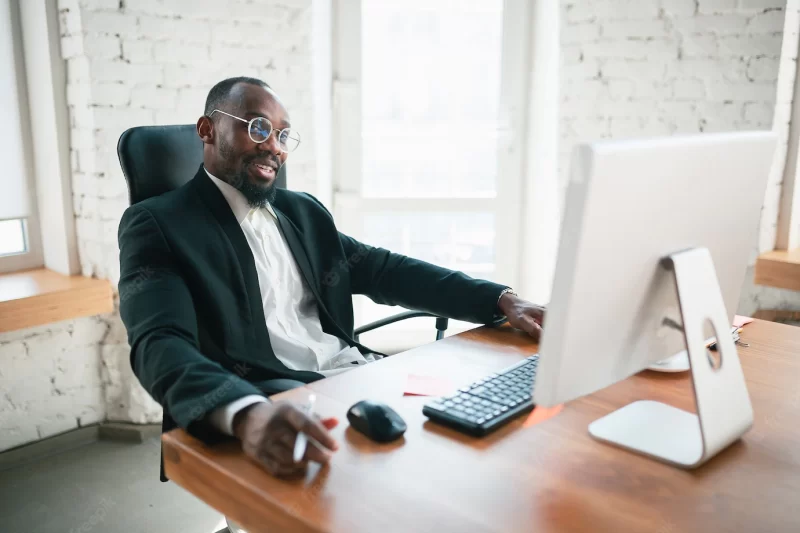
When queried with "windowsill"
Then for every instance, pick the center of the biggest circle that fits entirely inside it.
(780, 268)
(35, 297)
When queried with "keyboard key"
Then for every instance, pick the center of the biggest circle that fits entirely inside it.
(459, 414)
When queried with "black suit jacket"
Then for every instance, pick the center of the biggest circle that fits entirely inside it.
(190, 298)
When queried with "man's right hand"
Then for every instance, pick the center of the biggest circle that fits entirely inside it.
(268, 432)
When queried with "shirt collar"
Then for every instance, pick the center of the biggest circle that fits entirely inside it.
(235, 198)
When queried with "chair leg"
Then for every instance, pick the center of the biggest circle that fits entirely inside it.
(441, 326)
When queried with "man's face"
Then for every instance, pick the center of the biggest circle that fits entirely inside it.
(233, 156)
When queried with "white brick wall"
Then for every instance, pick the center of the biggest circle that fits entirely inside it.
(660, 67)
(50, 380)
(666, 66)
(150, 62)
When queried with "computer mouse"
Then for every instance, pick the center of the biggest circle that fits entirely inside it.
(377, 421)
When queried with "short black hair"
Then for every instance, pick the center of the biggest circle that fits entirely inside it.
(219, 93)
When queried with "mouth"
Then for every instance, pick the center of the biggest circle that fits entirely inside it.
(265, 171)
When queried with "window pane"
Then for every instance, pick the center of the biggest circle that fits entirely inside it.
(460, 241)
(456, 240)
(430, 97)
(12, 237)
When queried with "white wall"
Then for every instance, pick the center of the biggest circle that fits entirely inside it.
(658, 67)
(50, 380)
(150, 62)
(637, 68)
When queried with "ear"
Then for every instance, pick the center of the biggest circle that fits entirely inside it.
(205, 129)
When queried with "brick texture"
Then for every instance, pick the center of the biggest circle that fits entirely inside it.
(50, 380)
(662, 67)
(665, 67)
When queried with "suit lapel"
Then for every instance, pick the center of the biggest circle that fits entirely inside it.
(219, 207)
(293, 238)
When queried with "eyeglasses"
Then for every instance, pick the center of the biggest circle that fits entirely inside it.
(259, 129)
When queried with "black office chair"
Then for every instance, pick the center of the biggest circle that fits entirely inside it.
(158, 159)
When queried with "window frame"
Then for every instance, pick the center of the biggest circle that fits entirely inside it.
(349, 205)
(33, 257)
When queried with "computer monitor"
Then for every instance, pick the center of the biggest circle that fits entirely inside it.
(614, 310)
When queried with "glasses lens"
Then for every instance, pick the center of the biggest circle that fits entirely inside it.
(289, 140)
(260, 129)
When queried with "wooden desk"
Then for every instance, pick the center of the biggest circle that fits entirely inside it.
(549, 477)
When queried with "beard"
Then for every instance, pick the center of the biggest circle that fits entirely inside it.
(257, 196)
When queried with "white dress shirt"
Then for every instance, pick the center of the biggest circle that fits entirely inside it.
(290, 308)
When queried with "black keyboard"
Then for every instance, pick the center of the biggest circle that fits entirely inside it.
(488, 403)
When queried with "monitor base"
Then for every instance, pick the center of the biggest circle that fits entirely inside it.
(724, 412)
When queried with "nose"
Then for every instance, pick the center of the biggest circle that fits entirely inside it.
(271, 144)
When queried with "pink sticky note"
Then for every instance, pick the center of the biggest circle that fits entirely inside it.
(427, 386)
(740, 320)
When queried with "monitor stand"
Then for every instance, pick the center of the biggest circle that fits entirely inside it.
(724, 413)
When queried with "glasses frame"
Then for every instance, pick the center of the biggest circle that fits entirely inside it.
(271, 130)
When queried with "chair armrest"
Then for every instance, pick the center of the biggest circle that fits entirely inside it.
(441, 323)
(391, 320)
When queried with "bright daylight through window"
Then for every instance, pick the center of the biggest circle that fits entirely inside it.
(430, 96)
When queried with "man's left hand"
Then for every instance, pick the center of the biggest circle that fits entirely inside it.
(522, 314)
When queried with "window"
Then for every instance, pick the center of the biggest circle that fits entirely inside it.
(12, 237)
(422, 101)
(430, 98)
(19, 233)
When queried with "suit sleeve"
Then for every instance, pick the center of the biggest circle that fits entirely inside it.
(157, 309)
(394, 279)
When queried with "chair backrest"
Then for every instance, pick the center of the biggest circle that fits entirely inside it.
(158, 159)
